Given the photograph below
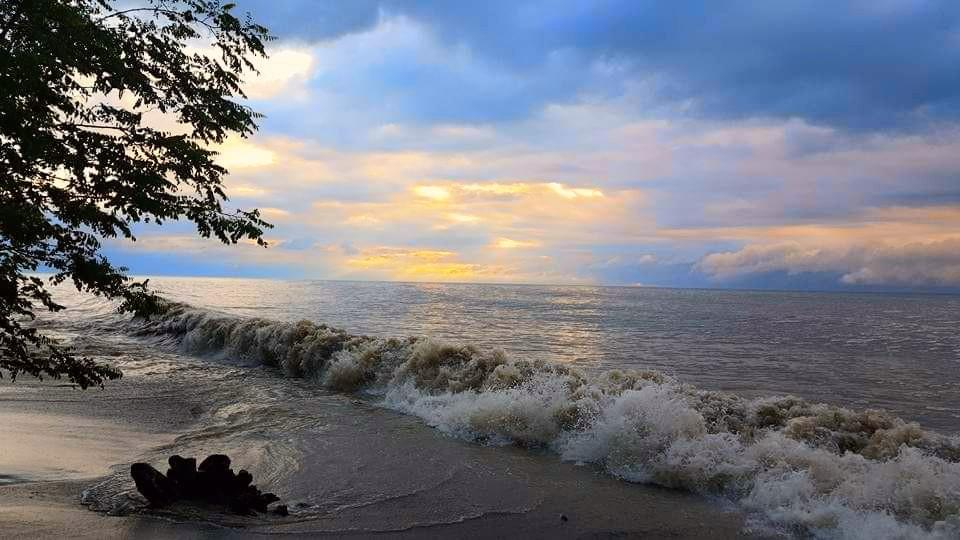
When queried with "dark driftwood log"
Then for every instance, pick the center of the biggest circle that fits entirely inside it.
(157, 488)
(183, 473)
(213, 481)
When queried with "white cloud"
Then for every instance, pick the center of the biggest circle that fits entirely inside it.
(285, 73)
(270, 213)
(919, 263)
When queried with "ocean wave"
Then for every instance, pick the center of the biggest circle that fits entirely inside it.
(813, 469)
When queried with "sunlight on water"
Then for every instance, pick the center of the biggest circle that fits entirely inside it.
(898, 352)
(600, 376)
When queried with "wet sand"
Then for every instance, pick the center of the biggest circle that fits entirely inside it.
(360, 471)
(58, 440)
(57, 432)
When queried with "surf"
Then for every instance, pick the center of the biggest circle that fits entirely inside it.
(812, 468)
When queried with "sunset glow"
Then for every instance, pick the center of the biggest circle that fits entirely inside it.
(414, 133)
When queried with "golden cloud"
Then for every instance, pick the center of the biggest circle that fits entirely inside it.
(245, 190)
(463, 218)
(495, 188)
(573, 193)
(418, 265)
(436, 193)
(238, 153)
(508, 243)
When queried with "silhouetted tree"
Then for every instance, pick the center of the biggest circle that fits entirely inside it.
(86, 87)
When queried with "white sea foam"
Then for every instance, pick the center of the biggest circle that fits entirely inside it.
(815, 469)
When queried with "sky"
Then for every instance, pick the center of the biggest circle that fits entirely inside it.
(790, 144)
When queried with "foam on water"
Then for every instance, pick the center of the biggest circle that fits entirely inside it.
(815, 469)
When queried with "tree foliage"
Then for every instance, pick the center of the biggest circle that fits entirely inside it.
(108, 116)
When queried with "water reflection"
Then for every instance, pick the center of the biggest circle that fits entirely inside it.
(898, 352)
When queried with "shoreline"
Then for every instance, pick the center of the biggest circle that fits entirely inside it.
(500, 492)
(52, 509)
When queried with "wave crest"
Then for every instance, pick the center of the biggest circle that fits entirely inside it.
(812, 468)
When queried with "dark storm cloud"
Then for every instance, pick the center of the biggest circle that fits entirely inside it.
(312, 20)
(859, 65)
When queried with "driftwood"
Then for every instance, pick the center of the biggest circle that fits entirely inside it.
(212, 482)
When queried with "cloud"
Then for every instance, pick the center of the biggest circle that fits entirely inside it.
(755, 259)
(889, 246)
(399, 72)
(240, 154)
(573, 193)
(312, 21)
(274, 214)
(508, 243)
(640, 201)
(615, 142)
(436, 193)
(463, 218)
(285, 73)
(920, 263)
(418, 265)
(245, 190)
(860, 65)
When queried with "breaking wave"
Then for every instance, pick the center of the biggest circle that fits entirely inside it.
(812, 469)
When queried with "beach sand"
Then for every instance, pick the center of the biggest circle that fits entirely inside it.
(59, 441)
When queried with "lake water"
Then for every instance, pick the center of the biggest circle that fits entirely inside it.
(679, 388)
(899, 352)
